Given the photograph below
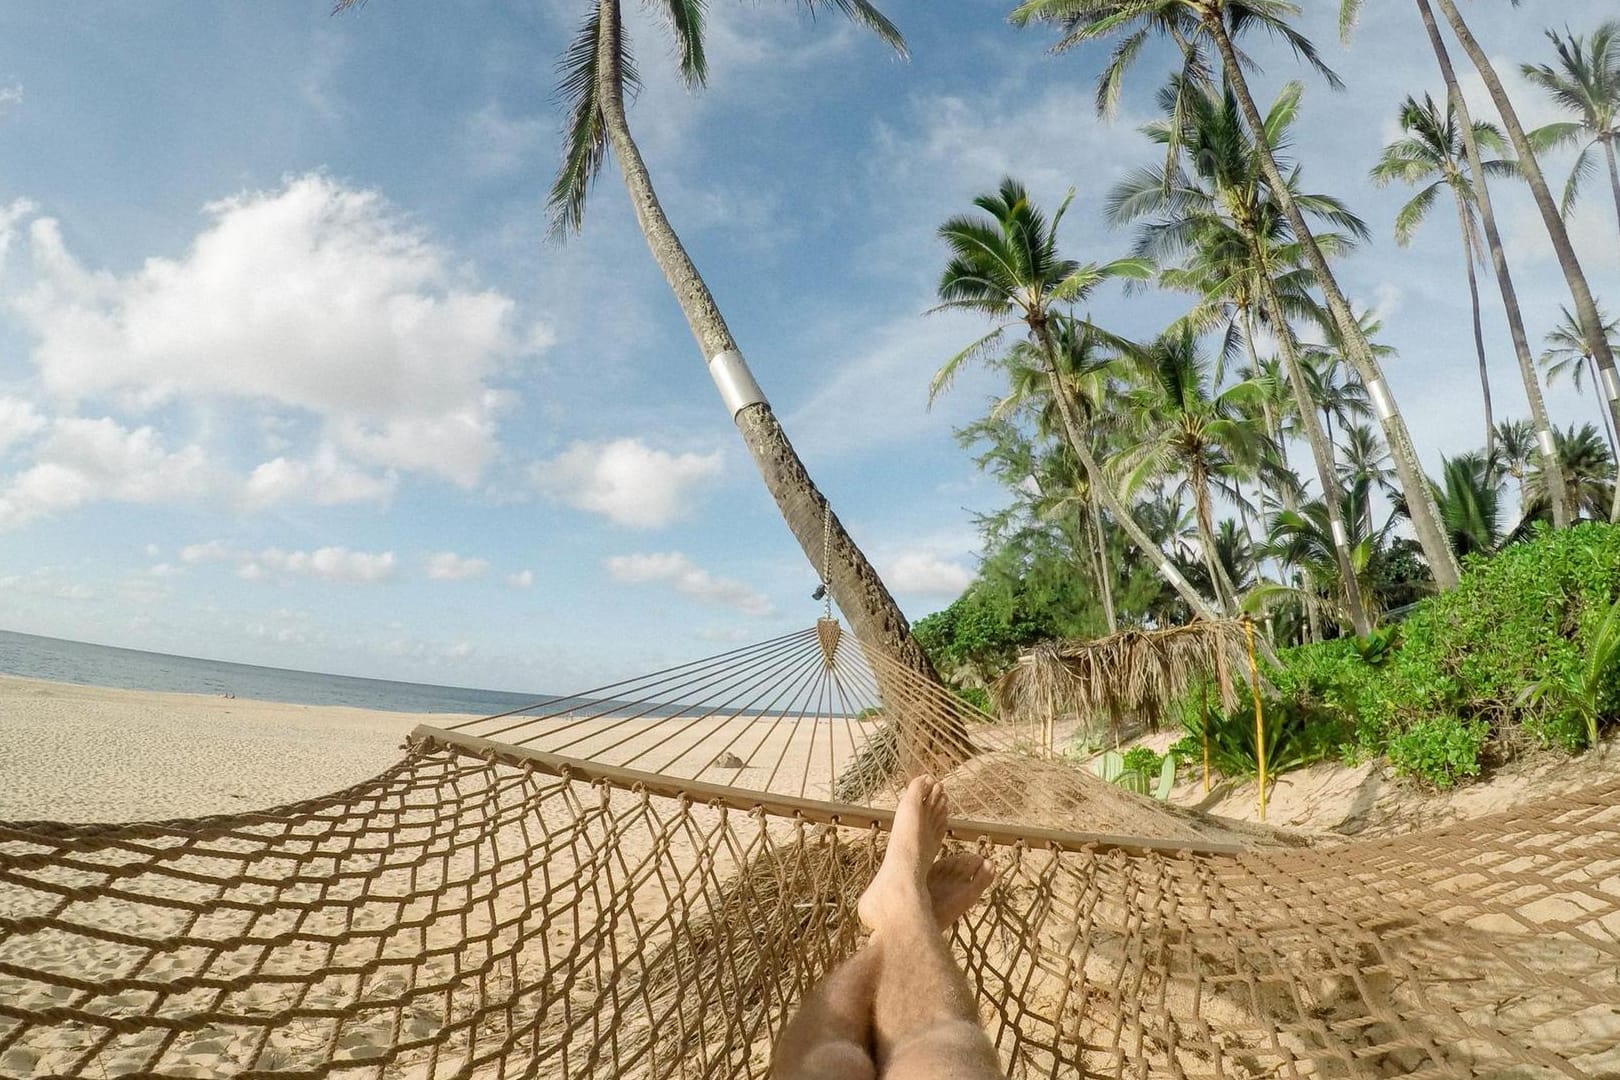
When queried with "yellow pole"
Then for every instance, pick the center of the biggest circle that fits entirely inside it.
(1206, 738)
(1259, 715)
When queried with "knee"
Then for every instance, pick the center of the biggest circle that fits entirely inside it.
(833, 1061)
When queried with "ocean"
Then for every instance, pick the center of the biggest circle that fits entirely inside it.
(130, 669)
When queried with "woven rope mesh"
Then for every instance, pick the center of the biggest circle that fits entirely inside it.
(493, 907)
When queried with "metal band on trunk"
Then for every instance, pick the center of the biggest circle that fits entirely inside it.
(1611, 383)
(735, 382)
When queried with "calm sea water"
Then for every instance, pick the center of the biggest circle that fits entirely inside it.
(131, 669)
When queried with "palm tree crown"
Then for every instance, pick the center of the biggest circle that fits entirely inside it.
(1586, 82)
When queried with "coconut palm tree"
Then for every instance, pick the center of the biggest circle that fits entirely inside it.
(1213, 25)
(1568, 353)
(1220, 213)
(1587, 469)
(596, 70)
(1007, 267)
(1586, 82)
(1585, 306)
(1431, 153)
(1190, 431)
(1514, 452)
(1481, 190)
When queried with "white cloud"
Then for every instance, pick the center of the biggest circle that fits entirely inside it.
(922, 572)
(84, 460)
(316, 297)
(11, 95)
(686, 577)
(11, 215)
(448, 566)
(325, 479)
(18, 421)
(523, 579)
(626, 481)
(335, 564)
(211, 551)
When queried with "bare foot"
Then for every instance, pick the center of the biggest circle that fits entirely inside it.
(955, 883)
(899, 890)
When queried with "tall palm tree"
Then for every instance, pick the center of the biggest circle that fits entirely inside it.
(1568, 352)
(1366, 464)
(1221, 212)
(1514, 452)
(1587, 471)
(596, 70)
(1191, 432)
(1215, 24)
(1007, 267)
(1585, 306)
(1586, 82)
(1431, 153)
(1481, 189)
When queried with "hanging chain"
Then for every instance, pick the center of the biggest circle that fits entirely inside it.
(826, 557)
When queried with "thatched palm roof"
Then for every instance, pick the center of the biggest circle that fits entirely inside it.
(1131, 677)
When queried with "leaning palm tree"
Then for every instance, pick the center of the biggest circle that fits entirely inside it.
(1197, 25)
(1580, 292)
(1586, 82)
(596, 70)
(1481, 190)
(1568, 353)
(1007, 267)
(1431, 153)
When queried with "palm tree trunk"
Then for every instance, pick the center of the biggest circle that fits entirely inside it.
(854, 584)
(1421, 507)
(1603, 414)
(1547, 448)
(1614, 172)
(1104, 571)
(1099, 484)
(1585, 307)
(1479, 330)
(1322, 451)
(1220, 580)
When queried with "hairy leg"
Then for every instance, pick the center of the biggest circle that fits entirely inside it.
(925, 1024)
(831, 1037)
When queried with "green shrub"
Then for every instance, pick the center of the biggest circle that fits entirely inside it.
(1142, 759)
(1469, 663)
(976, 696)
(1296, 735)
(1439, 751)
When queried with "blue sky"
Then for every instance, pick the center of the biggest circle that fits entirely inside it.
(290, 374)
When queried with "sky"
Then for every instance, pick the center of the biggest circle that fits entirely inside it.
(291, 373)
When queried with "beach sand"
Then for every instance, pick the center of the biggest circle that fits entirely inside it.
(89, 753)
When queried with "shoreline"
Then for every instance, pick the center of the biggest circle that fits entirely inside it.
(75, 752)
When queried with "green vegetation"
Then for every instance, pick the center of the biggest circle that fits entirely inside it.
(1526, 651)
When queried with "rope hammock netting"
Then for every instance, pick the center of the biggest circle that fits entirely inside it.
(644, 881)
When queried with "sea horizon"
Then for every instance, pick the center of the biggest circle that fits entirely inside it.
(83, 663)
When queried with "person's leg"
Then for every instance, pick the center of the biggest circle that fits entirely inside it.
(830, 1038)
(925, 1024)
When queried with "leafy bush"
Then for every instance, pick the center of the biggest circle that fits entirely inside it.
(1469, 662)
(1142, 759)
(1439, 751)
(1296, 735)
(976, 696)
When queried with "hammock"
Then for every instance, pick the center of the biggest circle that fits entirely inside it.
(642, 882)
